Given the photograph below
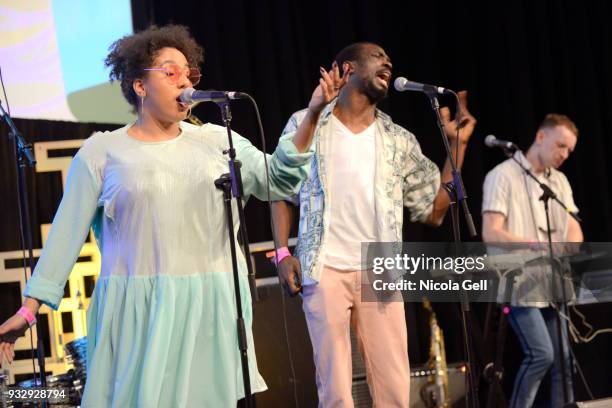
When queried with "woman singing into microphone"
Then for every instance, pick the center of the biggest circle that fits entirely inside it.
(162, 320)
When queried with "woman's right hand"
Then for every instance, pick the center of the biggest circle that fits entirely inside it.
(10, 331)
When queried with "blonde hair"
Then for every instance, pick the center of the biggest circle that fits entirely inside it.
(553, 120)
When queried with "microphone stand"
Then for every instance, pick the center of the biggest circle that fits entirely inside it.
(456, 192)
(23, 154)
(231, 184)
(548, 194)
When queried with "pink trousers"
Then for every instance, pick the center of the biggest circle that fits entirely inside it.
(334, 306)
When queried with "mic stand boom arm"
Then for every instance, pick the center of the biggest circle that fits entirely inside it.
(546, 191)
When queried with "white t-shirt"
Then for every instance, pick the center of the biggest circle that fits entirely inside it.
(351, 195)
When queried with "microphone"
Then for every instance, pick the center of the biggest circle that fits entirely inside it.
(401, 84)
(492, 141)
(190, 95)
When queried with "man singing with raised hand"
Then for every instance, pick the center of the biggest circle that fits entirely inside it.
(365, 170)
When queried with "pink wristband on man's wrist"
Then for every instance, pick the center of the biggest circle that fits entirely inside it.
(25, 312)
(281, 254)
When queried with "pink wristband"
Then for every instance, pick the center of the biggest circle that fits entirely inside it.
(281, 254)
(25, 312)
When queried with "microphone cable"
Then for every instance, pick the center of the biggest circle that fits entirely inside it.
(274, 240)
(193, 119)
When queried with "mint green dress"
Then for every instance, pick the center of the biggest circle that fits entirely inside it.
(162, 320)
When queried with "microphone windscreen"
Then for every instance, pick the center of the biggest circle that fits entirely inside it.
(400, 83)
(186, 94)
(490, 140)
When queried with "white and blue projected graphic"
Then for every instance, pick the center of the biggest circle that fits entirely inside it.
(52, 58)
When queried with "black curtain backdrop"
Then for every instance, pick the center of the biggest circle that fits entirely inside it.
(518, 60)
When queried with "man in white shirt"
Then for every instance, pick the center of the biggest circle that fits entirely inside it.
(365, 170)
(513, 212)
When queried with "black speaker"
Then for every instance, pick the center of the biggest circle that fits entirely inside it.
(274, 364)
(273, 357)
(361, 393)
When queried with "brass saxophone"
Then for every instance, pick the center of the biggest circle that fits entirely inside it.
(435, 394)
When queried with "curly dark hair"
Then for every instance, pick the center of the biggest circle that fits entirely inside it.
(130, 55)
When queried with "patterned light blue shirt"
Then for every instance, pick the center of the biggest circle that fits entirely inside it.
(403, 177)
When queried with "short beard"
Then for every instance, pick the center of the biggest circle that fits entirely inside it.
(374, 95)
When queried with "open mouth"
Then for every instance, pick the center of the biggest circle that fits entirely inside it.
(384, 76)
(182, 106)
